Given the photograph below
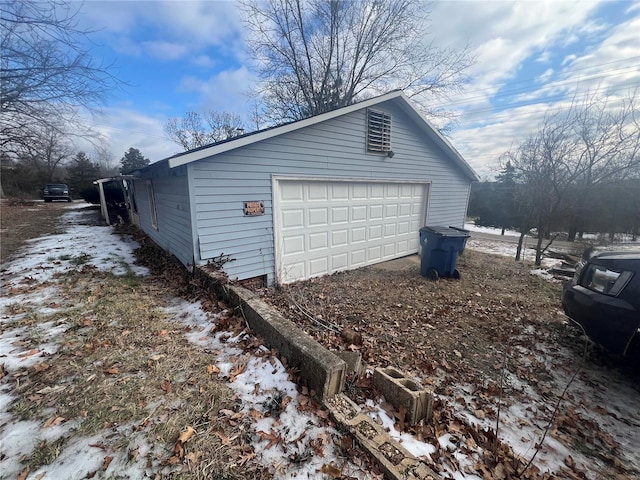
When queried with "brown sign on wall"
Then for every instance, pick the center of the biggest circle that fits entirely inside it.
(253, 209)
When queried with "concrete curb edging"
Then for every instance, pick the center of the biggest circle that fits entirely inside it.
(322, 370)
(395, 460)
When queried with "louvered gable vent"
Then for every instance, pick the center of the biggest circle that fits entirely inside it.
(378, 132)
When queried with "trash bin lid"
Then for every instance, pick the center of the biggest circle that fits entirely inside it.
(445, 231)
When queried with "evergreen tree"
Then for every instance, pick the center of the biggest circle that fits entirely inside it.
(132, 160)
(80, 175)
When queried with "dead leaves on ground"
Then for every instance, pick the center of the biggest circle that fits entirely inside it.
(178, 452)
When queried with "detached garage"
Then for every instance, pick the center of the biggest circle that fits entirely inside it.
(333, 192)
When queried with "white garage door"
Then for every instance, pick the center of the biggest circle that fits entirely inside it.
(323, 227)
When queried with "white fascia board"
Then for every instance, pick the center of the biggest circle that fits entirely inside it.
(274, 132)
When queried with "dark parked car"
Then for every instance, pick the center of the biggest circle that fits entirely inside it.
(604, 297)
(56, 191)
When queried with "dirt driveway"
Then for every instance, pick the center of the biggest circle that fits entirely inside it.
(498, 353)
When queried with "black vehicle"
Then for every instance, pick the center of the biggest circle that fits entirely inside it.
(604, 297)
(56, 191)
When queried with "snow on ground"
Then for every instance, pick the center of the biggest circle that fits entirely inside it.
(265, 379)
(508, 248)
(494, 231)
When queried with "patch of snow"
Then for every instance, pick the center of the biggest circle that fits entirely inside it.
(78, 245)
(542, 273)
(17, 439)
(495, 231)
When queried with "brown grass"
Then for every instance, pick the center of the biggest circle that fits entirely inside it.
(122, 363)
(21, 220)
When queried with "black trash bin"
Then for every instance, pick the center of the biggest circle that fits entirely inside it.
(440, 249)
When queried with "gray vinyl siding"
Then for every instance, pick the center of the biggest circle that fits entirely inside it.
(171, 191)
(332, 149)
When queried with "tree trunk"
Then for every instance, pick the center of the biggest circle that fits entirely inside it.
(503, 229)
(571, 237)
(539, 246)
(519, 249)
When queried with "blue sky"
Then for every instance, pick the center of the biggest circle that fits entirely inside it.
(530, 56)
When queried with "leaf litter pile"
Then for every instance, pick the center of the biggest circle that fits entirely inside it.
(109, 369)
(497, 352)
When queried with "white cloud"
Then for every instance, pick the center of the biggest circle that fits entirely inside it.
(124, 127)
(172, 27)
(203, 61)
(224, 91)
(165, 50)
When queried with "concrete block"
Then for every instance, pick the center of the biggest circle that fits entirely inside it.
(353, 361)
(323, 371)
(395, 460)
(401, 391)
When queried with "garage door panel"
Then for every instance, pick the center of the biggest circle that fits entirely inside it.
(358, 234)
(402, 246)
(407, 191)
(317, 216)
(340, 191)
(359, 213)
(374, 253)
(293, 218)
(291, 192)
(404, 210)
(318, 241)
(359, 191)
(343, 225)
(339, 238)
(391, 210)
(317, 192)
(393, 190)
(390, 230)
(294, 245)
(389, 250)
(339, 215)
(375, 212)
(294, 271)
(377, 191)
(375, 232)
(339, 262)
(358, 257)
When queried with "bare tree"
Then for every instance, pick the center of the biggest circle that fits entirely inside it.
(546, 166)
(317, 55)
(590, 144)
(609, 147)
(195, 130)
(50, 151)
(105, 160)
(47, 73)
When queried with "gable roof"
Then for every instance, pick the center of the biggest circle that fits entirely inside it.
(397, 96)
